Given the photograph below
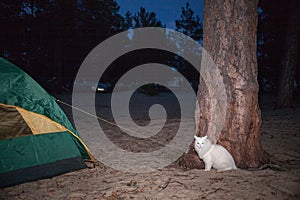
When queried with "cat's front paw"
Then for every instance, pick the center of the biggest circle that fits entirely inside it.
(207, 166)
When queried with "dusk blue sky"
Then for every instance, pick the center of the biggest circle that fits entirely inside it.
(166, 10)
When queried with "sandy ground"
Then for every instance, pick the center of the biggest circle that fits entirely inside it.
(281, 180)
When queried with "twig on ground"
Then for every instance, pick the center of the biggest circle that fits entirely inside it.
(271, 166)
(165, 185)
(211, 192)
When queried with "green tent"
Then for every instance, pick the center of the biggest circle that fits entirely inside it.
(36, 138)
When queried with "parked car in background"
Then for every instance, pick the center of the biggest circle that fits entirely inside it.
(103, 88)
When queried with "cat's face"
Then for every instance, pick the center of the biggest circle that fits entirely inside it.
(200, 141)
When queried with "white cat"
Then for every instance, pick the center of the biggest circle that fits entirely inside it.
(213, 155)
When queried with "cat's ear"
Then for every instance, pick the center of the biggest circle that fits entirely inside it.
(195, 137)
(205, 137)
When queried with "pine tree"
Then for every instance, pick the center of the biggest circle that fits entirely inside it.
(146, 19)
(189, 24)
(127, 21)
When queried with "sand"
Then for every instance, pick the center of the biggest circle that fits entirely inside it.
(279, 180)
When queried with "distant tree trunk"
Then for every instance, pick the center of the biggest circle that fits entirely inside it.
(59, 45)
(230, 39)
(286, 87)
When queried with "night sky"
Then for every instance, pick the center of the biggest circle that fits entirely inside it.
(166, 10)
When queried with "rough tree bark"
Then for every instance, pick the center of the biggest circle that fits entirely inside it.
(286, 87)
(230, 39)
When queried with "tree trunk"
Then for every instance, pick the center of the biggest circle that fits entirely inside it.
(230, 39)
(286, 87)
(59, 45)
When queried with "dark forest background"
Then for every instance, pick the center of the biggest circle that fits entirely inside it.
(49, 39)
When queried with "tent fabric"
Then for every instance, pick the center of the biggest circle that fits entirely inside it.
(40, 124)
(17, 122)
(37, 149)
(12, 123)
(41, 171)
(34, 131)
(19, 89)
